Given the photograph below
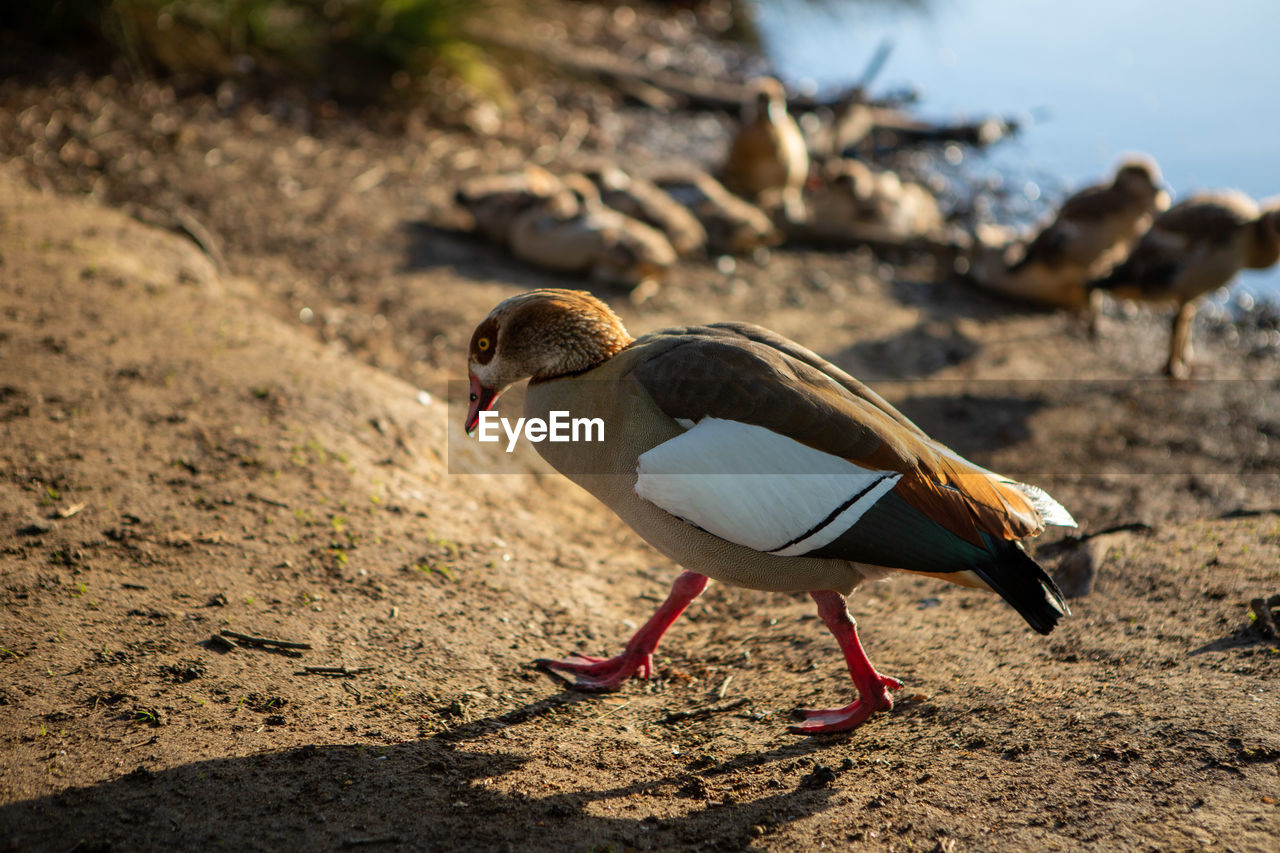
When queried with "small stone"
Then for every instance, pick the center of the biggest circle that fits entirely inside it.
(820, 777)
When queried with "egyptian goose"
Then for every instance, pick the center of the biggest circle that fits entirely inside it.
(748, 459)
(642, 199)
(494, 201)
(851, 193)
(1192, 249)
(733, 225)
(574, 232)
(768, 161)
(853, 122)
(1092, 230)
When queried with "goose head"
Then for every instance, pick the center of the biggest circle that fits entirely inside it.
(769, 99)
(608, 178)
(1138, 178)
(1265, 248)
(539, 335)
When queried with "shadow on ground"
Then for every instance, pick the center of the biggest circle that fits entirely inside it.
(973, 424)
(918, 352)
(430, 794)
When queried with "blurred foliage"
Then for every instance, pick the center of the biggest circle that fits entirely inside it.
(348, 44)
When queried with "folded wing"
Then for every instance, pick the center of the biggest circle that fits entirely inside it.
(784, 458)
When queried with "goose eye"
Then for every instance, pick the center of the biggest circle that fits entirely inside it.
(482, 344)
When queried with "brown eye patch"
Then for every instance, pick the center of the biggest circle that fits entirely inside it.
(484, 342)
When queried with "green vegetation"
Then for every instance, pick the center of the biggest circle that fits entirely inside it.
(354, 45)
(314, 452)
(442, 569)
(442, 564)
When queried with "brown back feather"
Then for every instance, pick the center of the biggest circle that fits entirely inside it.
(1214, 219)
(747, 374)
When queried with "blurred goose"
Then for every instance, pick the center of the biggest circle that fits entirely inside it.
(1099, 224)
(495, 200)
(1192, 249)
(733, 226)
(574, 232)
(642, 199)
(748, 459)
(768, 162)
(854, 194)
(1042, 284)
(853, 122)
(1092, 230)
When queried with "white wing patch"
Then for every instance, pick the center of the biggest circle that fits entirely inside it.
(1050, 510)
(757, 488)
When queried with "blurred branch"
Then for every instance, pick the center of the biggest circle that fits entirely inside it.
(681, 90)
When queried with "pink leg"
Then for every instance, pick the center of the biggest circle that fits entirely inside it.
(873, 688)
(597, 674)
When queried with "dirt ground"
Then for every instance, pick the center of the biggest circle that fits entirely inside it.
(256, 438)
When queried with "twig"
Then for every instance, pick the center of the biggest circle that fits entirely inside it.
(702, 713)
(877, 238)
(1263, 622)
(220, 644)
(1119, 528)
(877, 63)
(366, 842)
(614, 709)
(724, 687)
(979, 133)
(269, 501)
(250, 640)
(1249, 513)
(336, 671)
(347, 686)
(201, 236)
(176, 218)
(1075, 540)
(680, 89)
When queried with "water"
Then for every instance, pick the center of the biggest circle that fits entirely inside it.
(1194, 84)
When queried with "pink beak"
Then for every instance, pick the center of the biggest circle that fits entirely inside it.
(482, 399)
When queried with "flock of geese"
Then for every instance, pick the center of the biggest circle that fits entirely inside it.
(1121, 237)
(1124, 239)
